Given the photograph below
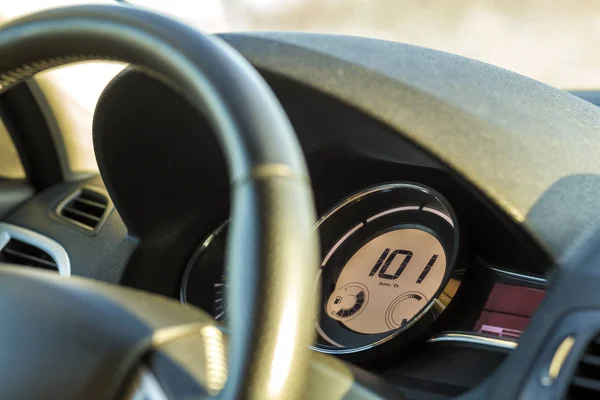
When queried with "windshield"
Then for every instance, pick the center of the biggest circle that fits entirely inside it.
(551, 41)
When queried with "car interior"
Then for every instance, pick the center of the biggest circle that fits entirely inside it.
(282, 215)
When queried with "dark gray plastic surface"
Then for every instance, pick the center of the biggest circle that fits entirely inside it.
(103, 256)
(12, 194)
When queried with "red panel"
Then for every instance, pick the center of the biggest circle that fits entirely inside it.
(514, 300)
(507, 310)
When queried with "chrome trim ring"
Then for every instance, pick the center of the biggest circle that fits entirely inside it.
(473, 338)
(190, 265)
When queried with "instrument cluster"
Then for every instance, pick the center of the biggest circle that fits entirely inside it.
(387, 270)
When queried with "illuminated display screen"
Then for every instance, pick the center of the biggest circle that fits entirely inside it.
(383, 286)
(508, 310)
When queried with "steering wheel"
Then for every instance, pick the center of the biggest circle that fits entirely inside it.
(76, 338)
(89, 337)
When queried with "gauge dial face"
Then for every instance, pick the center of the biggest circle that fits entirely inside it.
(348, 301)
(388, 281)
(388, 256)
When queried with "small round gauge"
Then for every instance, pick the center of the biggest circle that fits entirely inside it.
(388, 255)
(348, 302)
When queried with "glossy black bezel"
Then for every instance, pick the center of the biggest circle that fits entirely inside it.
(417, 207)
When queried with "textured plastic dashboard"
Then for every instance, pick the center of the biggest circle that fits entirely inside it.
(529, 147)
(103, 256)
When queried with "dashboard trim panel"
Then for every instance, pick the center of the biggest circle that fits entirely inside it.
(528, 278)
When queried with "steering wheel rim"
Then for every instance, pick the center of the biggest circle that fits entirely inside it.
(272, 248)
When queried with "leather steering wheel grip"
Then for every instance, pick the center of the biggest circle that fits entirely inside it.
(273, 250)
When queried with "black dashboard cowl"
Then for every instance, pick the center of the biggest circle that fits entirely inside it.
(163, 169)
(166, 175)
(146, 140)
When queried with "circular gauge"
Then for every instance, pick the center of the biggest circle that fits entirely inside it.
(403, 308)
(348, 301)
(204, 280)
(386, 268)
(388, 256)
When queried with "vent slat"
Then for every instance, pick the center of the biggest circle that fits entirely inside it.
(81, 213)
(591, 360)
(93, 196)
(21, 253)
(91, 203)
(586, 383)
(87, 209)
(34, 260)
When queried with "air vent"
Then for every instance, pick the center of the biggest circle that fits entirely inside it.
(586, 380)
(21, 253)
(86, 208)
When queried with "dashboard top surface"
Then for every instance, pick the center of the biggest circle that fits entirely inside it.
(529, 147)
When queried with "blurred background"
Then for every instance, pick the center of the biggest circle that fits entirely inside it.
(553, 41)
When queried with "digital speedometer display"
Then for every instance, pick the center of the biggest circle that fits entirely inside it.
(387, 270)
(388, 281)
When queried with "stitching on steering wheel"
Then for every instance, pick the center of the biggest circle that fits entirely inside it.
(13, 77)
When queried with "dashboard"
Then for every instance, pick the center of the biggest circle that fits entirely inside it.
(423, 281)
